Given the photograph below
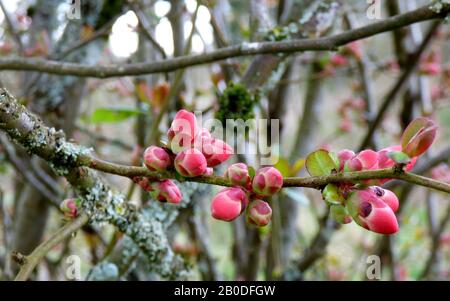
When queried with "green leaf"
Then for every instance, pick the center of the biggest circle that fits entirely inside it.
(340, 214)
(335, 158)
(412, 129)
(331, 194)
(251, 172)
(399, 157)
(112, 115)
(320, 163)
(283, 166)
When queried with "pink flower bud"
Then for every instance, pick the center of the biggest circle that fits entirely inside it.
(343, 156)
(354, 49)
(182, 131)
(387, 196)
(370, 212)
(202, 134)
(267, 181)
(364, 160)
(431, 69)
(215, 151)
(418, 136)
(229, 203)
(441, 173)
(167, 191)
(258, 213)
(238, 174)
(385, 162)
(156, 158)
(338, 60)
(70, 208)
(144, 183)
(190, 163)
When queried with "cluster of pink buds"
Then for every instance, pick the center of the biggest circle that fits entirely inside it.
(191, 151)
(369, 205)
(431, 64)
(341, 59)
(352, 104)
(247, 194)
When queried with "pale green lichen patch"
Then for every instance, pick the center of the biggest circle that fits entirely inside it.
(438, 5)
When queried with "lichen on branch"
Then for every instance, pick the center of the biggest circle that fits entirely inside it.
(98, 199)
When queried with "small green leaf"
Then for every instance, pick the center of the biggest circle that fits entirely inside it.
(320, 163)
(153, 194)
(335, 158)
(283, 166)
(331, 194)
(340, 214)
(412, 129)
(112, 115)
(251, 172)
(399, 157)
(298, 165)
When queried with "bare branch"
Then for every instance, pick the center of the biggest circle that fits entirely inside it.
(327, 43)
(35, 257)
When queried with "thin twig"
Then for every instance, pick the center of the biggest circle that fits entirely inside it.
(28, 175)
(145, 29)
(31, 261)
(12, 29)
(398, 87)
(153, 134)
(327, 43)
(435, 242)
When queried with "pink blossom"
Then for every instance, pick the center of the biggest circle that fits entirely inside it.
(215, 151)
(238, 174)
(364, 160)
(182, 131)
(156, 158)
(167, 191)
(338, 60)
(387, 196)
(267, 181)
(69, 207)
(343, 156)
(229, 203)
(190, 163)
(441, 173)
(258, 213)
(370, 212)
(144, 183)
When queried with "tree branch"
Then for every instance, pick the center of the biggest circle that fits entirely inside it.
(24, 127)
(98, 200)
(327, 43)
(33, 259)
